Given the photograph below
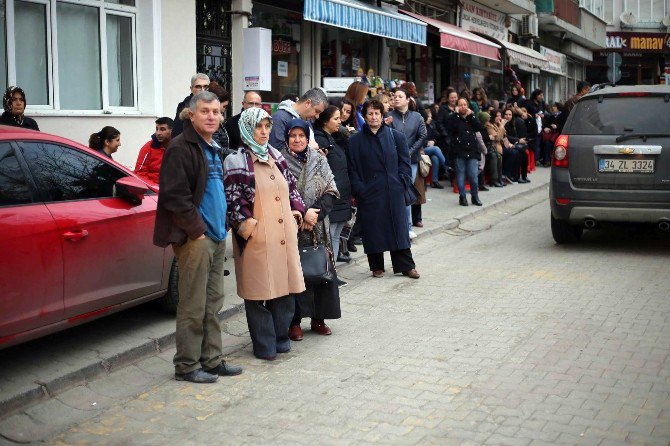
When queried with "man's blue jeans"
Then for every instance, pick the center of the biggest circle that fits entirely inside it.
(469, 167)
(437, 158)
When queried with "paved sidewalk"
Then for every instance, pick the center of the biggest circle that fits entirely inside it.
(42, 369)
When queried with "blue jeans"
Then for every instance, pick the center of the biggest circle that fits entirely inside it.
(437, 158)
(415, 169)
(335, 230)
(469, 167)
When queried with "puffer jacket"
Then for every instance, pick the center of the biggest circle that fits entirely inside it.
(412, 125)
(464, 140)
(149, 160)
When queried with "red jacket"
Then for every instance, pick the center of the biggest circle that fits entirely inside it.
(149, 160)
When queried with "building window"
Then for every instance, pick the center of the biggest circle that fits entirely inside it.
(3, 46)
(646, 11)
(72, 55)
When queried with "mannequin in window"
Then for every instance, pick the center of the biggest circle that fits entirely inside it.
(14, 104)
(106, 141)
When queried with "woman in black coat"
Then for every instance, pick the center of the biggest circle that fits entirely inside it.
(380, 176)
(327, 125)
(517, 133)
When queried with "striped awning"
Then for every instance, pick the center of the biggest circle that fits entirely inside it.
(522, 55)
(458, 39)
(358, 16)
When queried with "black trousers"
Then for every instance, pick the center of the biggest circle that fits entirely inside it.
(402, 261)
(416, 213)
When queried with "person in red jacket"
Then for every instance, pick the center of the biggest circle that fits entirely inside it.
(149, 160)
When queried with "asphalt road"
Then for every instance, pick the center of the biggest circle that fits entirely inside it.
(507, 338)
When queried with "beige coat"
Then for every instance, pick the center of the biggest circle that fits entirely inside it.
(269, 266)
(498, 136)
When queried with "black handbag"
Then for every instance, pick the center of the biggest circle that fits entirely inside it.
(411, 194)
(317, 263)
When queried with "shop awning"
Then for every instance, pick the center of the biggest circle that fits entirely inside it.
(352, 14)
(455, 38)
(522, 55)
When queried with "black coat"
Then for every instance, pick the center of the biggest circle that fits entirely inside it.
(516, 129)
(380, 173)
(178, 125)
(337, 160)
(233, 129)
(463, 135)
(442, 126)
(28, 123)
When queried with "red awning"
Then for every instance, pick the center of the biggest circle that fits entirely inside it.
(455, 38)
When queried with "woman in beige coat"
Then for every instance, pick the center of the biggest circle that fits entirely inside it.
(264, 210)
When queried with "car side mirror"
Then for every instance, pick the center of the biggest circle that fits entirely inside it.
(131, 189)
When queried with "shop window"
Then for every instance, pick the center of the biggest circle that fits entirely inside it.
(82, 57)
(285, 26)
(3, 46)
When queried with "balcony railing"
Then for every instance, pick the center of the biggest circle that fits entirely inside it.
(568, 10)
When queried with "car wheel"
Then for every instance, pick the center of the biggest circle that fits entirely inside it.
(170, 300)
(564, 232)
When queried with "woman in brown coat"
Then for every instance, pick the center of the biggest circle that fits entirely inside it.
(264, 210)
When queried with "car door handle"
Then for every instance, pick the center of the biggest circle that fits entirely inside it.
(75, 235)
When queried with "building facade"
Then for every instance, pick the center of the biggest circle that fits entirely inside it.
(639, 32)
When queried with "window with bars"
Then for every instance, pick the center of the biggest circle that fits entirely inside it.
(74, 55)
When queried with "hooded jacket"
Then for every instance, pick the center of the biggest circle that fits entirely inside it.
(149, 160)
(464, 140)
(280, 120)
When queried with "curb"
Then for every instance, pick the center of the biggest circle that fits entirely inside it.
(46, 390)
(153, 346)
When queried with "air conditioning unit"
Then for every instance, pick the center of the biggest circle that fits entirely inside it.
(529, 25)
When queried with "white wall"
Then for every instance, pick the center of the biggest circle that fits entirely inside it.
(166, 61)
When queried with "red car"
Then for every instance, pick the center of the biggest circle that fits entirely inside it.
(76, 230)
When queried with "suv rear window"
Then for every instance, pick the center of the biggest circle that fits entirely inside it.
(619, 115)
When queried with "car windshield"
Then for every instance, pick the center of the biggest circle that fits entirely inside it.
(621, 115)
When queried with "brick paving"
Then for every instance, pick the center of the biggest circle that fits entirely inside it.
(506, 339)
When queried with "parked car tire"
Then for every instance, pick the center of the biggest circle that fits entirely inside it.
(170, 300)
(565, 233)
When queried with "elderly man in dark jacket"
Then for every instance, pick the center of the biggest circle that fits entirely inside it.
(463, 126)
(412, 125)
(191, 216)
(379, 172)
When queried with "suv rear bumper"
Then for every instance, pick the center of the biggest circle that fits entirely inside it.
(639, 206)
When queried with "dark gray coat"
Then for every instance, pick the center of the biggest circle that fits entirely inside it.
(412, 125)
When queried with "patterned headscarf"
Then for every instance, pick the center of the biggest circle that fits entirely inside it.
(7, 98)
(300, 124)
(249, 119)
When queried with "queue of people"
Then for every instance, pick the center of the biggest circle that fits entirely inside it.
(316, 173)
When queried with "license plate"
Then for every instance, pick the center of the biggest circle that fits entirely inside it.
(625, 165)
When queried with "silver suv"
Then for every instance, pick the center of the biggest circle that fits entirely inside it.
(612, 161)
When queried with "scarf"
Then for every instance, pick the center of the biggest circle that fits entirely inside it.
(249, 119)
(315, 179)
(7, 102)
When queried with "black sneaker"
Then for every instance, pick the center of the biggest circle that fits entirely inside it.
(197, 376)
(224, 369)
(341, 283)
(436, 185)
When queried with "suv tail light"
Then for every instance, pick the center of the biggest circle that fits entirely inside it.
(561, 151)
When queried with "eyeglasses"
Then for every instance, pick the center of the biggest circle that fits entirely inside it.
(201, 87)
(253, 104)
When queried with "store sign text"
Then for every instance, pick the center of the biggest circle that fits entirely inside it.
(648, 42)
(281, 46)
(475, 17)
